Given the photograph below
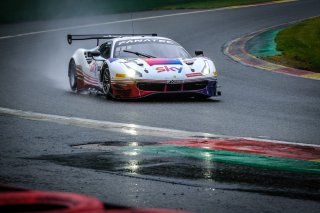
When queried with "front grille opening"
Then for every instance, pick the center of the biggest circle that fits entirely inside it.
(151, 86)
(174, 87)
(195, 85)
(160, 87)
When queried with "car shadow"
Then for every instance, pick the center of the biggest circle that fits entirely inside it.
(158, 98)
(165, 98)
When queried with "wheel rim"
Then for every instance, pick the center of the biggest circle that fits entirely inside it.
(106, 82)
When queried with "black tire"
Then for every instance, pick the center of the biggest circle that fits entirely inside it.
(106, 82)
(72, 73)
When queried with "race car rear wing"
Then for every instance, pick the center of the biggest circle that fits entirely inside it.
(97, 37)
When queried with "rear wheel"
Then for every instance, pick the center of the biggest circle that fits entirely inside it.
(72, 73)
(106, 82)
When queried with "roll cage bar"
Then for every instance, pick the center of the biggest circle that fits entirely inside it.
(97, 37)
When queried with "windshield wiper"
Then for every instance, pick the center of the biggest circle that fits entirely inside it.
(139, 54)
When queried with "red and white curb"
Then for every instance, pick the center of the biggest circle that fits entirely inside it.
(236, 49)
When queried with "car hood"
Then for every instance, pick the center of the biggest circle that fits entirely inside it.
(170, 68)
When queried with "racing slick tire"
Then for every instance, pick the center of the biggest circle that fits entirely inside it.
(106, 82)
(72, 73)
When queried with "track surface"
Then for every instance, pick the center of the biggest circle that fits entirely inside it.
(255, 103)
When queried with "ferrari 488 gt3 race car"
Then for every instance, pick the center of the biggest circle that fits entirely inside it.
(130, 66)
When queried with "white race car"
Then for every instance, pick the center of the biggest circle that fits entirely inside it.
(135, 66)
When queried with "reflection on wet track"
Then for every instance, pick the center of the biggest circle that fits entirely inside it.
(291, 176)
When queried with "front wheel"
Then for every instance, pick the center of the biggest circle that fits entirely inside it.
(106, 82)
(72, 73)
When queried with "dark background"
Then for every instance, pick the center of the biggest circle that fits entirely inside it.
(27, 10)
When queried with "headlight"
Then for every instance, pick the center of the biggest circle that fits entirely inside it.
(132, 73)
(206, 69)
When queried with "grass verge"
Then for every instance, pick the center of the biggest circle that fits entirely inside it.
(300, 46)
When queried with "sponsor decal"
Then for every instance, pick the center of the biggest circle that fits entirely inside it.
(169, 69)
(189, 75)
(144, 40)
(162, 61)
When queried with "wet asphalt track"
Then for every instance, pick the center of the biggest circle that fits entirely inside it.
(255, 103)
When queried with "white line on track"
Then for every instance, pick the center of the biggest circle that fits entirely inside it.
(138, 19)
(130, 129)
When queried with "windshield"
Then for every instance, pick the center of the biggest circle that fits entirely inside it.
(158, 48)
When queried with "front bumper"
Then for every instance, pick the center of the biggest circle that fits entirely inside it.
(128, 89)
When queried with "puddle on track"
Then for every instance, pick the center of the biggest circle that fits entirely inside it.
(202, 166)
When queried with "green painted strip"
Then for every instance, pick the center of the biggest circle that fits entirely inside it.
(264, 44)
(232, 158)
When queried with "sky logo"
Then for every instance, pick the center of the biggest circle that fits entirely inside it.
(169, 69)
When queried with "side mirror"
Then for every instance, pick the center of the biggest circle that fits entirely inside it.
(198, 52)
(94, 53)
